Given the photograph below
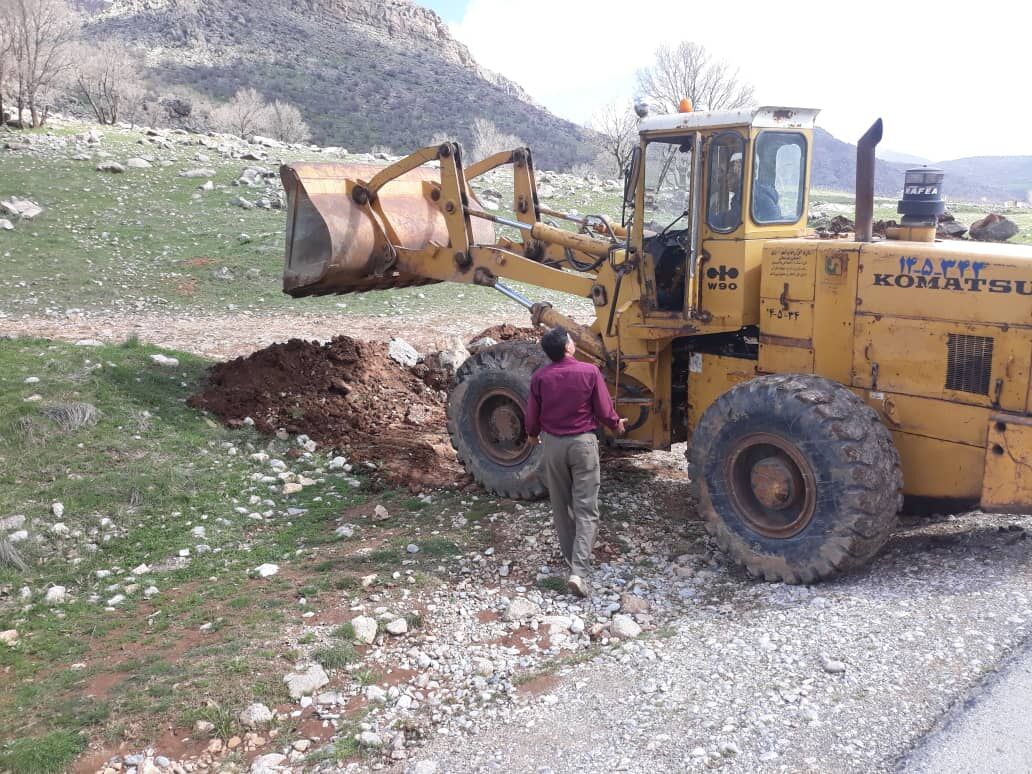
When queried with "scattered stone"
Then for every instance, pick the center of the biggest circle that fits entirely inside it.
(17, 536)
(137, 163)
(370, 739)
(375, 693)
(484, 667)
(207, 186)
(412, 548)
(337, 463)
(111, 166)
(311, 679)
(519, 609)
(631, 604)
(165, 360)
(141, 569)
(9, 637)
(271, 763)
(832, 666)
(302, 745)
(380, 513)
(25, 209)
(201, 172)
(423, 767)
(481, 344)
(255, 716)
(56, 595)
(993, 228)
(402, 353)
(17, 521)
(203, 727)
(365, 629)
(266, 570)
(624, 627)
(292, 487)
(6, 225)
(397, 627)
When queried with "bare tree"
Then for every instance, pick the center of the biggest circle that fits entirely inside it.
(6, 46)
(690, 71)
(42, 35)
(106, 77)
(488, 139)
(286, 124)
(617, 129)
(245, 114)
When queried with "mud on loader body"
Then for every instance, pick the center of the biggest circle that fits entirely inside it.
(816, 381)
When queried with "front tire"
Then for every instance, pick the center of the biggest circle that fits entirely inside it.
(797, 479)
(486, 422)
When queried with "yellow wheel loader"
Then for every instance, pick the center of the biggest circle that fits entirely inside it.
(816, 381)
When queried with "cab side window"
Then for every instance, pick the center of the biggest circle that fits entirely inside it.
(779, 174)
(724, 188)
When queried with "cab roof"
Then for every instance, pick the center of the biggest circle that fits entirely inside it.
(767, 117)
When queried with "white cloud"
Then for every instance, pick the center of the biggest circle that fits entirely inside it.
(948, 83)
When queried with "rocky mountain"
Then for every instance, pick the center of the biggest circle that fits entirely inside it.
(364, 72)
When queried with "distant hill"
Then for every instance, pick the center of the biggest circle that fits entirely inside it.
(363, 72)
(995, 178)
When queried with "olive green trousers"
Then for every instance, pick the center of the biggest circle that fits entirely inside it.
(572, 475)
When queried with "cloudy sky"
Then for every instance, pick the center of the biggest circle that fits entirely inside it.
(948, 82)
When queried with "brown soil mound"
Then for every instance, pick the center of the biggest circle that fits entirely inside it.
(345, 394)
(508, 332)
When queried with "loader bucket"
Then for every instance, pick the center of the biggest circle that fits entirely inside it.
(333, 246)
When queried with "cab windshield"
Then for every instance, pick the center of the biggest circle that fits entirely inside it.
(668, 174)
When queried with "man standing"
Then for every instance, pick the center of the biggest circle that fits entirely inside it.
(567, 401)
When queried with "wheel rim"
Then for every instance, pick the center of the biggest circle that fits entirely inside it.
(500, 427)
(772, 485)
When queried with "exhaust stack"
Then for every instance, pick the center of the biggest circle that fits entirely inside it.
(865, 161)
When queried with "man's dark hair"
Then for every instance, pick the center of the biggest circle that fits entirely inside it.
(554, 343)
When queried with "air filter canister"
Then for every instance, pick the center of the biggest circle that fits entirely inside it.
(922, 201)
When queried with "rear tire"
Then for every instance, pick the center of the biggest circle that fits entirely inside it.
(796, 477)
(486, 421)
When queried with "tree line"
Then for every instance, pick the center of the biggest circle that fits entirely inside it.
(45, 61)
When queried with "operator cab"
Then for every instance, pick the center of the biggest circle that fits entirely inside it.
(704, 185)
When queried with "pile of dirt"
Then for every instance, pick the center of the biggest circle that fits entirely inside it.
(346, 395)
(508, 332)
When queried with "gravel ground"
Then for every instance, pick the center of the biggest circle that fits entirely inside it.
(231, 335)
(846, 676)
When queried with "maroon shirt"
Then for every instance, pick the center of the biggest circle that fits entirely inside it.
(569, 398)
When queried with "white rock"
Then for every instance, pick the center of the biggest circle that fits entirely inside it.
(255, 716)
(376, 694)
(832, 666)
(57, 509)
(401, 352)
(164, 360)
(138, 163)
(337, 463)
(484, 667)
(6, 225)
(141, 569)
(17, 536)
(424, 767)
(520, 608)
(208, 186)
(624, 627)
(292, 488)
(89, 343)
(369, 739)
(266, 570)
(151, 591)
(116, 600)
(397, 627)
(56, 595)
(307, 681)
(31, 380)
(270, 763)
(344, 531)
(59, 528)
(9, 637)
(380, 513)
(17, 521)
(412, 548)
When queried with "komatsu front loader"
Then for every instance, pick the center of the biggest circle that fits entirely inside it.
(816, 381)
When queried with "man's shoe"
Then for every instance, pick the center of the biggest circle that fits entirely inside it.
(577, 585)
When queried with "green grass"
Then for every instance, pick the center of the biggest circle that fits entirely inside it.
(150, 469)
(336, 656)
(142, 242)
(344, 632)
(41, 755)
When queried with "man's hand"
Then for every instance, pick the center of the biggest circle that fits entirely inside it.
(621, 427)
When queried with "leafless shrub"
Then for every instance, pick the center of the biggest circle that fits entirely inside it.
(285, 123)
(690, 71)
(488, 139)
(72, 416)
(244, 115)
(107, 79)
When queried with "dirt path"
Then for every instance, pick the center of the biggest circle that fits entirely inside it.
(232, 335)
